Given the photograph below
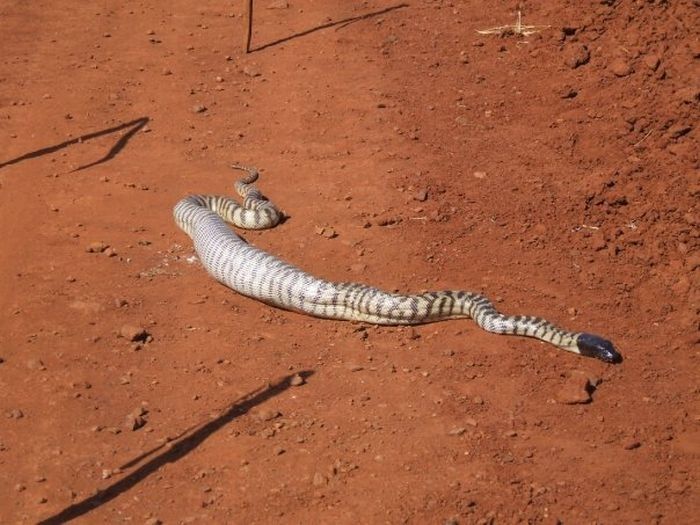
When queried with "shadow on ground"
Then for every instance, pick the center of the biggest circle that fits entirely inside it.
(135, 125)
(173, 451)
(339, 23)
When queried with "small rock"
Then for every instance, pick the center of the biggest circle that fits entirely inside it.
(96, 247)
(15, 413)
(631, 444)
(278, 451)
(577, 55)
(166, 71)
(267, 414)
(153, 521)
(457, 431)
(319, 480)
(598, 241)
(329, 233)
(297, 380)
(19, 487)
(199, 108)
(134, 422)
(479, 174)
(251, 72)
(421, 196)
(652, 61)
(576, 390)
(133, 333)
(354, 367)
(278, 4)
(620, 67)
(567, 92)
(510, 434)
(110, 252)
(36, 364)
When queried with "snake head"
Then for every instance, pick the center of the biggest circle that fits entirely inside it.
(593, 346)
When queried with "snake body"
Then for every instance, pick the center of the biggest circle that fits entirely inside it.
(262, 276)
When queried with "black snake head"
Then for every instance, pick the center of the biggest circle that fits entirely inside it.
(593, 346)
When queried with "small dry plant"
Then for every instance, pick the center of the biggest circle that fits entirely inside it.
(513, 29)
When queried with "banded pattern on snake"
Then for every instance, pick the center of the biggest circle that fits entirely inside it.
(262, 276)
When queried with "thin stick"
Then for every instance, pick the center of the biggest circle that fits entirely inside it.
(249, 34)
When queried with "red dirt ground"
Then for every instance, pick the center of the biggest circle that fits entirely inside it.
(557, 173)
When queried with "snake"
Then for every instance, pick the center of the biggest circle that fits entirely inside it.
(255, 273)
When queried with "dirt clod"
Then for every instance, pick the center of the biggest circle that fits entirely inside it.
(576, 389)
(96, 247)
(133, 333)
(576, 55)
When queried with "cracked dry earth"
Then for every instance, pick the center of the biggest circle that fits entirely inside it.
(555, 172)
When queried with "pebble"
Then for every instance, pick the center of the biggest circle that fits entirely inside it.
(577, 55)
(319, 479)
(278, 4)
(15, 413)
(251, 72)
(133, 333)
(36, 364)
(479, 174)
(598, 241)
(421, 196)
(354, 367)
(567, 92)
(278, 451)
(136, 419)
(96, 247)
(457, 431)
(631, 444)
(652, 62)
(267, 414)
(297, 380)
(153, 521)
(576, 389)
(620, 67)
(330, 233)
(134, 422)
(199, 108)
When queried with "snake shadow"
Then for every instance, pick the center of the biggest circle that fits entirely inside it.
(339, 23)
(134, 127)
(174, 450)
